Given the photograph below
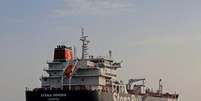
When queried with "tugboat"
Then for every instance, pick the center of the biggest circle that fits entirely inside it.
(90, 78)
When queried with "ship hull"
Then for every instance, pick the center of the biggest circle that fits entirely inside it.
(50, 95)
(61, 95)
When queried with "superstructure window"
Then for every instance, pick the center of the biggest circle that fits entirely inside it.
(45, 79)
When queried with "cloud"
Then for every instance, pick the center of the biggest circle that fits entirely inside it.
(95, 7)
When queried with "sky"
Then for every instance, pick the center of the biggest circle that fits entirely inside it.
(156, 39)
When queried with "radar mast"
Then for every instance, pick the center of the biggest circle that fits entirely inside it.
(85, 43)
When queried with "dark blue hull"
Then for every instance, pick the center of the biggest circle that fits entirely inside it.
(86, 95)
(60, 95)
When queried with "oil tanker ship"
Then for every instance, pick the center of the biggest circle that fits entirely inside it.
(90, 78)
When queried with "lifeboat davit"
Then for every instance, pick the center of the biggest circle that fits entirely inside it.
(69, 70)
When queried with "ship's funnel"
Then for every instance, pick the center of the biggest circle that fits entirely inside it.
(63, 53)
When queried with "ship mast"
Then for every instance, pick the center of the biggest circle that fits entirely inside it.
(85, 43)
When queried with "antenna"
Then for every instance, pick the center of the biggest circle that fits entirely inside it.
(75, 52)
(110, 54)
(85, 42)
(160, 90)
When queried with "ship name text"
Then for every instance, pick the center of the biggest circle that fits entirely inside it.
(53, 95)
